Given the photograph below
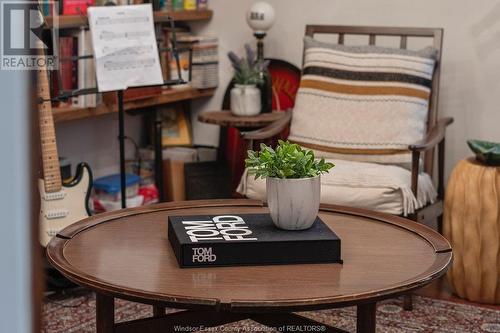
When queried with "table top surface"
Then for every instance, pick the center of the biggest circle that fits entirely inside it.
(127, 254)
(226, 118)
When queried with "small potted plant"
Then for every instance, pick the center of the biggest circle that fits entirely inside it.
(245, 96)
(292, 182)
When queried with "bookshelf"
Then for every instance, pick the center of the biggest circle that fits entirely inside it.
(76, 21)
(68, 113)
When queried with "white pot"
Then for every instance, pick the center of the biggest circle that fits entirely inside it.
(245, 100)
(293, 203)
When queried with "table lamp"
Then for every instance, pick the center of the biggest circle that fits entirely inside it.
(260, 18)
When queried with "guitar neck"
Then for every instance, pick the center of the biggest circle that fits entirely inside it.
(50, 158)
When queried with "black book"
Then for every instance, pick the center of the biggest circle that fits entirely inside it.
(248, 239)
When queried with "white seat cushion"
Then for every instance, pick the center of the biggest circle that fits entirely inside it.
(384, 188)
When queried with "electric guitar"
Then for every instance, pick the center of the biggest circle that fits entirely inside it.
(62, 204)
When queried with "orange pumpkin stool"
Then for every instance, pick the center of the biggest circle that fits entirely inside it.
(472, 225)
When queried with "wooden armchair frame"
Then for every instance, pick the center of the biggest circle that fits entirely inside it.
(435, 137)
(435, 128)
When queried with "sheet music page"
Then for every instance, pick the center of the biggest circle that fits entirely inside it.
(125, 50)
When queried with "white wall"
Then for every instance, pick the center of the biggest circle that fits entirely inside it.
(470, 73)
(95, 141)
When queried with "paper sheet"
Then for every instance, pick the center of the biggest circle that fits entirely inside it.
(125, 50)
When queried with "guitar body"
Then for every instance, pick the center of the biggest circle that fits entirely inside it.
(66, 206)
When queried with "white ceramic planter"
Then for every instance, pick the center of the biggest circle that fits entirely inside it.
(293, 203)
(245, 100)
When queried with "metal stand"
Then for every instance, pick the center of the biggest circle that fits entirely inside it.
(158, 154)
(121, 139)
(260, 45)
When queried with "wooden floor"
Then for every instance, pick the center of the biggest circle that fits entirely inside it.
(440, 289)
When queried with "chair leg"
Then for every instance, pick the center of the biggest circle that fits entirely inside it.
(440, 224)
(408, 302)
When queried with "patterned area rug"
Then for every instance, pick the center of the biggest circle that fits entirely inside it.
(75, 312)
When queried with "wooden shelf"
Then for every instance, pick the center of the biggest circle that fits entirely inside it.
(226, 118)
(183, 15)
(67, 113)
(76, 21)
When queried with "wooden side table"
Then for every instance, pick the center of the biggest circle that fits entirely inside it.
(472, 225)
(233, 156)
(126, 254)
(227, 119)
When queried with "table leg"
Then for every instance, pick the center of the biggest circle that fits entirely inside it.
(159, 311)
(105, 313)
(408, 302)
(121, 139)
(366, 319)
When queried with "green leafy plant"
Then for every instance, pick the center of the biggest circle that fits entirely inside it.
(247, 70)
(288, 160)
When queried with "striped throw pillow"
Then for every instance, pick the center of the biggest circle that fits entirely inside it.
(364, 103)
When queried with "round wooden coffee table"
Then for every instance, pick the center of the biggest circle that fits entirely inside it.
(126, 254)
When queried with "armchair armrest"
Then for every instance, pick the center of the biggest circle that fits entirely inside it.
(435, 136)
(270, 130)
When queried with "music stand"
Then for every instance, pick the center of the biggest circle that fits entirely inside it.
(64, 95)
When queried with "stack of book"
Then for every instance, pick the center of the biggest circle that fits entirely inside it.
(205, 65)
(248, 239)
(76, 74)
(205, 60)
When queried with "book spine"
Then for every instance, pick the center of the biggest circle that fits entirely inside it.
(202, 4)
(168, 5)
(190, 4)
(259, 253)
(46, 8)
(177, 4)
(66, 66)
(176, 247)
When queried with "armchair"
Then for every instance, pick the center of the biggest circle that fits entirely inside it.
(434, 138)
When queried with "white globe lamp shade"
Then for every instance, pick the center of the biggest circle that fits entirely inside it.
(260, 17)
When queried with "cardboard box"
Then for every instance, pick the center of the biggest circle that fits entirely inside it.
(173, 180)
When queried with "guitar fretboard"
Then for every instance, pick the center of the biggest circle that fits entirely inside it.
(50, 158)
